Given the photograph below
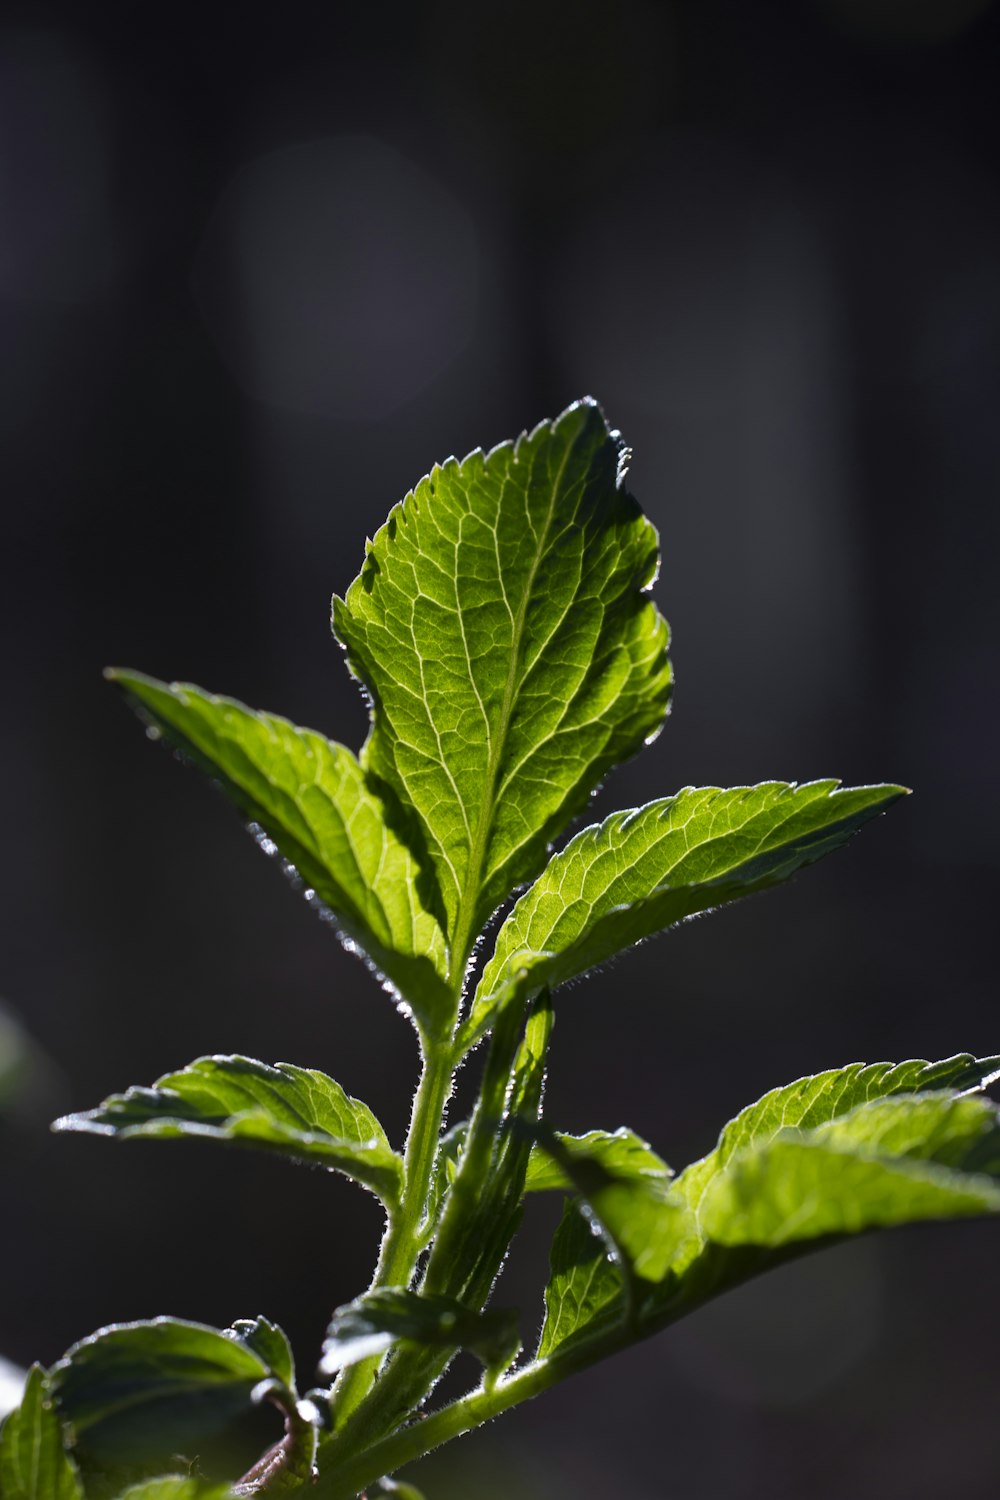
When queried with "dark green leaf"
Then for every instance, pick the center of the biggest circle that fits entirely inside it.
(271, 1346)
(34, 1464)
(502, 626)
(315, 807)
(644, 869)
(376, 1322)
(297, 1112)
(137, 1388)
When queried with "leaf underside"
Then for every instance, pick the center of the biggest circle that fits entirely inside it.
(502, 628)
(133, 1389)
(834, 1154)
(641, 870)
(296, 1112)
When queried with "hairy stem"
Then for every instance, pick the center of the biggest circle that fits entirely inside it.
(349, 1479)
(403, 1239)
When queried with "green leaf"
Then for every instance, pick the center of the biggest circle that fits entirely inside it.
(315, 806)
(886, 1115)
(820, 1097)
(297, 1112)
(644, 869)
(379, 1320)
(501, 626)
(642, 1218)
(621, 1153)
(34, 1464)
(585, 1293)
(176, 1487)
(893, 1162)
(137, 1388)
(624, 1235)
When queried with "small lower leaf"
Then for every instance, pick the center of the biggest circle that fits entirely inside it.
(133, 1389)
(376, 1322)
(586, 1285)
(34, 1464)
(298, 1112)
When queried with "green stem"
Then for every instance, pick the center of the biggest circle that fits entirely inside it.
(389, 1454)
(404, 1239)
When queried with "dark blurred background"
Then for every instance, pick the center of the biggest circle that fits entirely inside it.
(258, 270)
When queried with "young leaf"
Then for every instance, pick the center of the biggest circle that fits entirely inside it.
(315, 805)
(297, 1112)
(501, 625)
(34, 1464)
(135, 1388)
(641, 870)
(376, 1322)
(620, 1153)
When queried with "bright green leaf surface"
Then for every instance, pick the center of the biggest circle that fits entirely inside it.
(135, 1388)
(585, 1289)
(807, 1185)
(642, 870)
(297, 1112)
(501, 625)
(33, 1462)
(374, 1323)
(820, 1097)
(621, 1153)
(311, 799)
(889, 1144)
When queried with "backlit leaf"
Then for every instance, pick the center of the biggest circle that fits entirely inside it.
(297, 1112)
(585, 1292)
(502, 628)
(896, 1161)
(315, 807)
(621, 1153)
(820, 1097)
(34, 1464)
(641, 870)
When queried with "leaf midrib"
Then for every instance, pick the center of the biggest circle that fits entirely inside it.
(469, 900)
